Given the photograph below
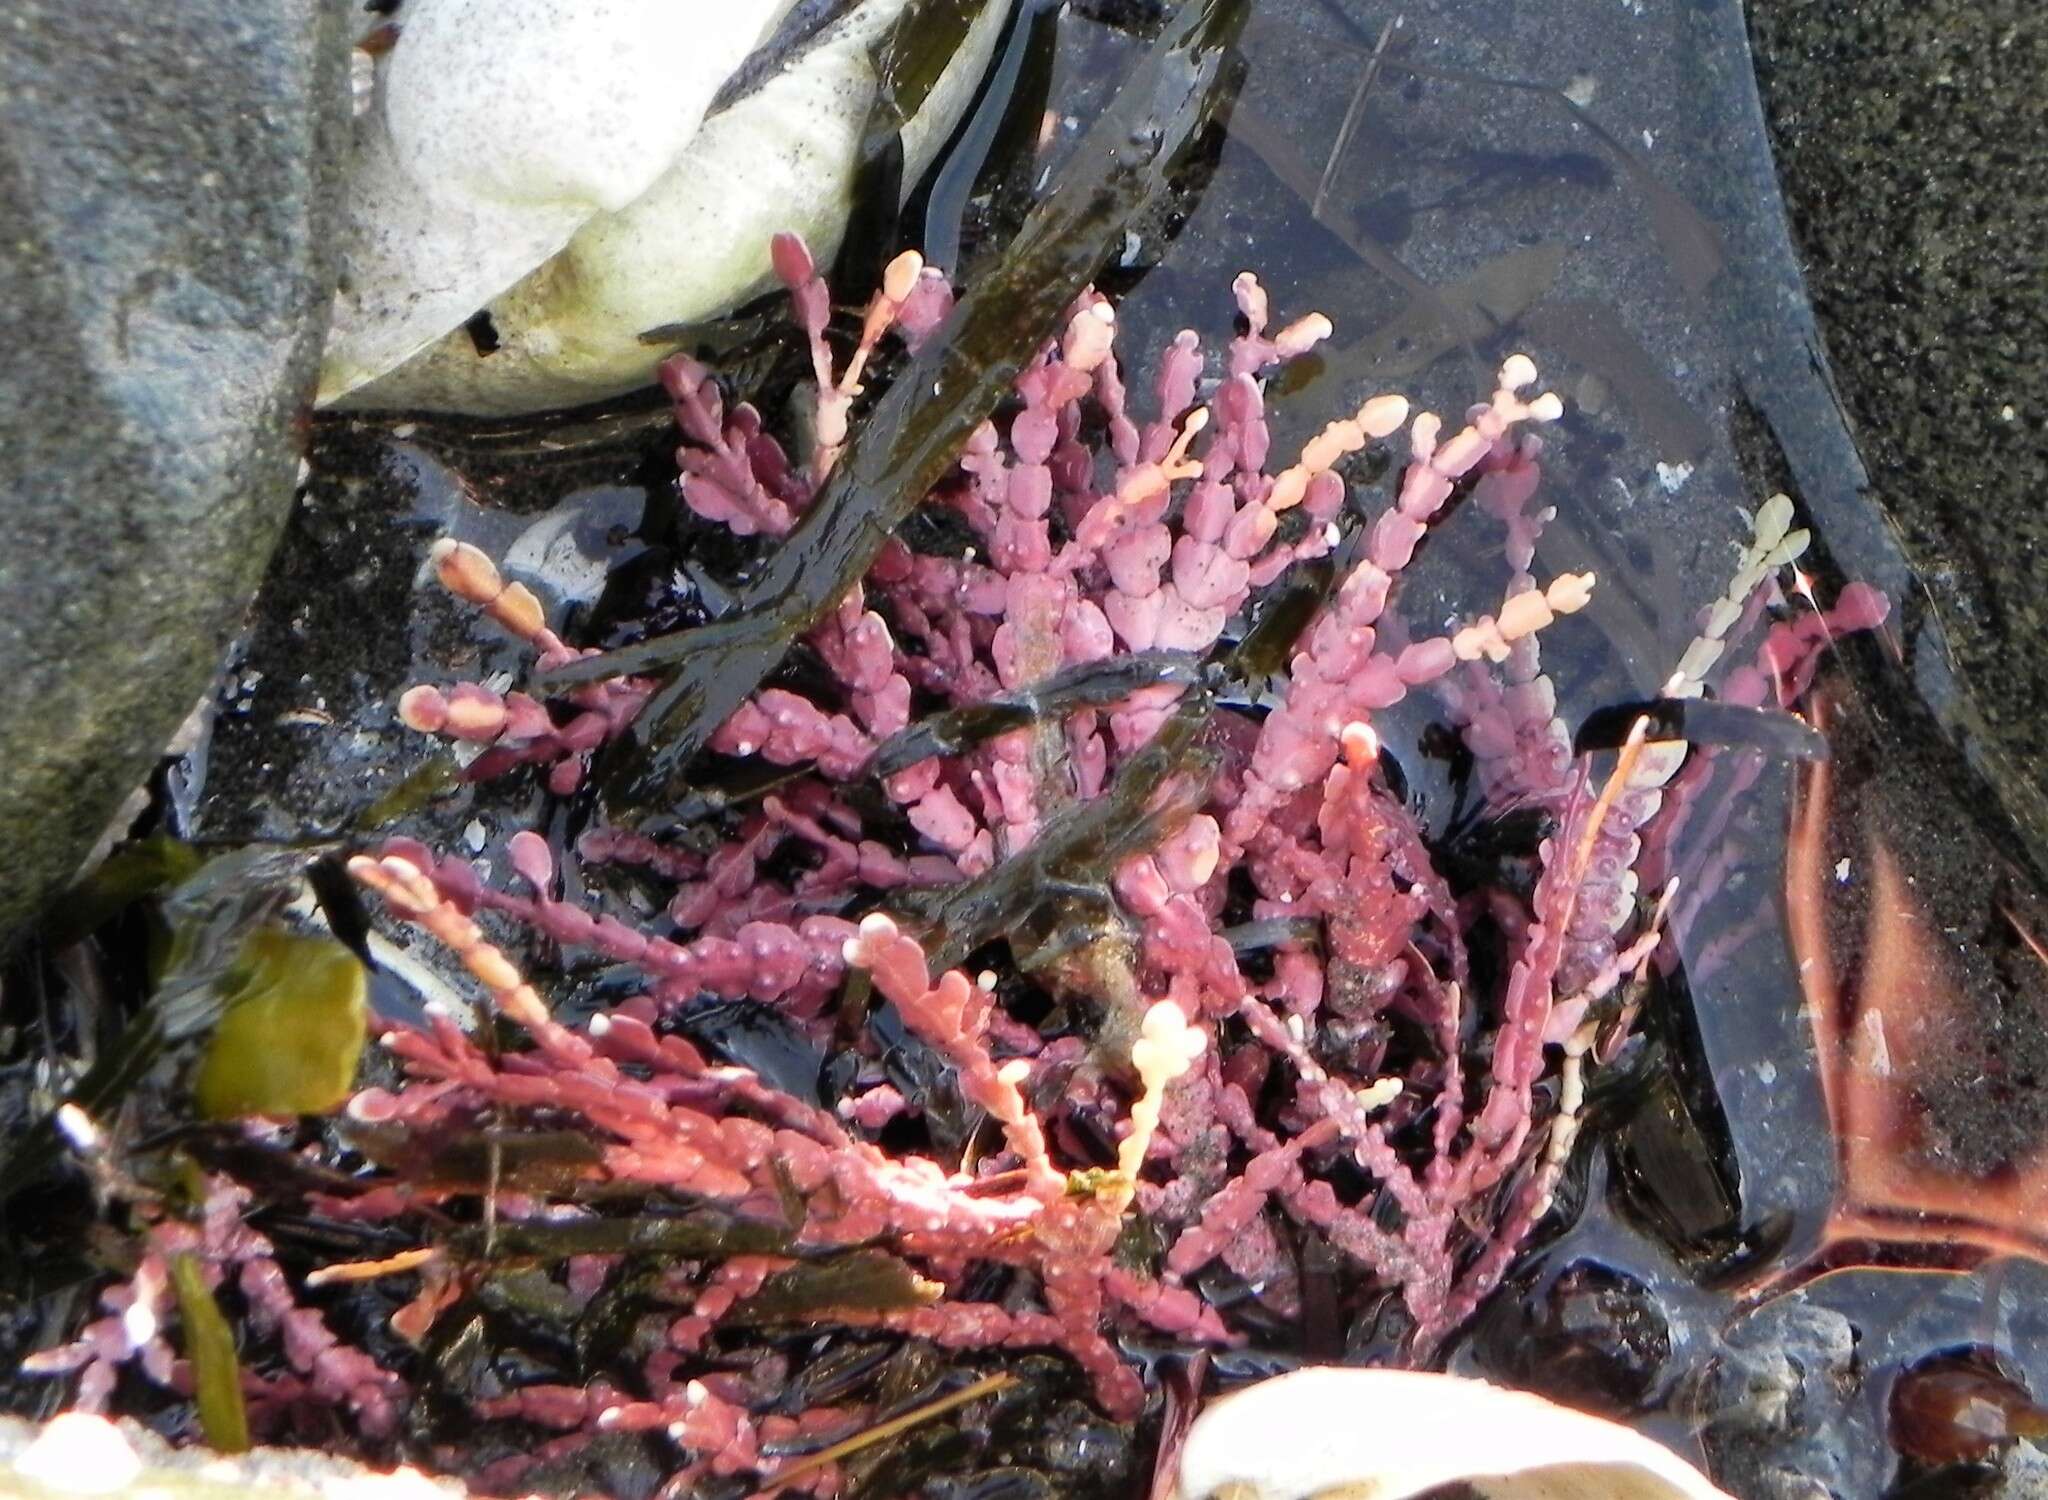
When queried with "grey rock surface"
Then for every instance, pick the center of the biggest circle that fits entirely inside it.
(2022, 1474)
(1776, 1402)
(166, 187)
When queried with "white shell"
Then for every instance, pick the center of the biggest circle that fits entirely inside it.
(687, 243)
(1360, 1434)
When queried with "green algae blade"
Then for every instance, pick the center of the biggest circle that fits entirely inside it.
(291, 1031)
(216, 1372)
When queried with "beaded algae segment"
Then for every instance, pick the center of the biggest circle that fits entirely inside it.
(1051, 814)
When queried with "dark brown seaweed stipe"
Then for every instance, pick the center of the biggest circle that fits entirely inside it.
(1062, 877)
(1077, 849)
(1703, 722)
(916, 431)
(1087, 684)
(908, 62)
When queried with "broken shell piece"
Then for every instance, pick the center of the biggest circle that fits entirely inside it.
(1359, 1434)
(687, 244)
(74, 1455)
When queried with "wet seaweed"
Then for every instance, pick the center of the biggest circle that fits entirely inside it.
(698, 1234)
(1702, 722)
(1077, 848)
(216, 1372)
(1084, 685)
(912, 437)
(502, 1160)
(858, 1279)
(1057, 884)
(908, 62)
(996, 141)
(760, 1038)
(207, 919)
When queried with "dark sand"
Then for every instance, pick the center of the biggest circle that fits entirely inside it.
(1912, 141)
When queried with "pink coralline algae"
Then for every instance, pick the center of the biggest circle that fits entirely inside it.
(1266, 1008)
(319, 1369)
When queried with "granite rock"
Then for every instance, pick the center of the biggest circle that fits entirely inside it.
(167, 181)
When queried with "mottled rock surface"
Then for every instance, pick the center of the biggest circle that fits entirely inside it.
(166, 183)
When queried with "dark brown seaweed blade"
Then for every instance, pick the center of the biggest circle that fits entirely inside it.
(908, 62)
(1076, 849)
(939, 398)
(698, 1235)
(807, 21)
(1702, 721)
(1088, 684)
(867, 1279)
(997, 142)
(1279, 617)
(521, 1161)
(1070, 861)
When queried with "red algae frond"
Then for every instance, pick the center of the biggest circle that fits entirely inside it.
(1236, 894)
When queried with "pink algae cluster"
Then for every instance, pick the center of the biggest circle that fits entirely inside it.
(1279, 987)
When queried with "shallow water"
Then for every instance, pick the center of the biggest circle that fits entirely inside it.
(1526, 177)
(1632, 245)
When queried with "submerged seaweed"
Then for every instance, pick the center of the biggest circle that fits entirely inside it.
(916, 430)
